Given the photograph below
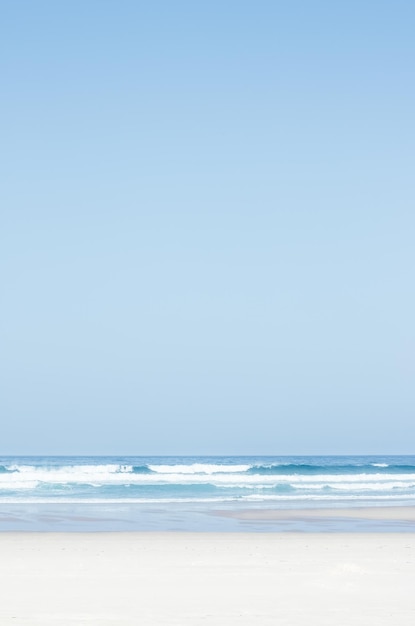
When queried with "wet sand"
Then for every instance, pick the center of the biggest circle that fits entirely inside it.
(380, 513)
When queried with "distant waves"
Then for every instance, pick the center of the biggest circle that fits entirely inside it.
(207, 479)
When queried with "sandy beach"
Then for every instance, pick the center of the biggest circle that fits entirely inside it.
(402, 514)
(126, 579)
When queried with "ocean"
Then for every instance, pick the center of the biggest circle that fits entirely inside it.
(190, 493)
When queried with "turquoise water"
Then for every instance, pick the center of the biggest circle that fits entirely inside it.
(152, 492)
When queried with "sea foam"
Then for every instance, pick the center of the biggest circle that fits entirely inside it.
(213, 479)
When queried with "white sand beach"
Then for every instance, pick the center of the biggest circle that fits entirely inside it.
(131, 579)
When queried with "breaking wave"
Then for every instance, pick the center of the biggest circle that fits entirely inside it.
(214, 479)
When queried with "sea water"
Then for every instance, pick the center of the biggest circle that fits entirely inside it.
(183, 493)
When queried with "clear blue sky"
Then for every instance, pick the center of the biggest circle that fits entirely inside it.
(207, 227)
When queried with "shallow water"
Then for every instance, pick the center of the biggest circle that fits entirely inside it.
(183, 493)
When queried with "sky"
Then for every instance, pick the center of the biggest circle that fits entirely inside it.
(207, 227)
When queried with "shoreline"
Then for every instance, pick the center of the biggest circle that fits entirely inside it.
(190, 517)
(383, 512)
(218, 579)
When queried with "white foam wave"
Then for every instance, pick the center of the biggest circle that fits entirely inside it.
(23, 500)
(97, 476)
(324, 498)
(22, 484)
(373, 486)
(75, 470)
(198, 468)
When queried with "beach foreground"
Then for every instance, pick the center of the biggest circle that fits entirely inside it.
(120, 579)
